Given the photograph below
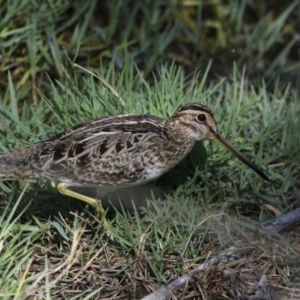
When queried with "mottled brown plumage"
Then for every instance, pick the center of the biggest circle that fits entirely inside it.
(115, 151)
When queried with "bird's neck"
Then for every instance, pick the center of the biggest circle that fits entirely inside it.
(180, 133)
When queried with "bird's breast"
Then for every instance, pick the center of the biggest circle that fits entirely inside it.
(159, 160)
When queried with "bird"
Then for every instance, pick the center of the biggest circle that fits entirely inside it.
(116, 151)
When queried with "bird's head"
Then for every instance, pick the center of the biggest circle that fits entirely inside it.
(197, 122)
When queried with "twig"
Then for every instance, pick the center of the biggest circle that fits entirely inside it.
(165, 292)
(284, 222)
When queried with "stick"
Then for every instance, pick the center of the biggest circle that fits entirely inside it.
(164, 292)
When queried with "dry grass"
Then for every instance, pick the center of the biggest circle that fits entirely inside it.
(255, 266)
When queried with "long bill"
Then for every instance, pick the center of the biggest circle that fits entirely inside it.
(219, 139)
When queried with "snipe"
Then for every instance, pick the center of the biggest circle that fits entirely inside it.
(117, 151)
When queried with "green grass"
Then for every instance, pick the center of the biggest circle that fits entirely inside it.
(37, 229)
(263, 36)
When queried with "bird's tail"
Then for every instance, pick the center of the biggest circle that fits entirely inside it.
(17, 164)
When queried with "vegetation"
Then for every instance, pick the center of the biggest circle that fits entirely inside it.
(241, 60)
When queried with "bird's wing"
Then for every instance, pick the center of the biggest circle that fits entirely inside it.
(103, 152)
(108, 151)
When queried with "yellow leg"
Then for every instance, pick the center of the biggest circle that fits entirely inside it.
(100, 212)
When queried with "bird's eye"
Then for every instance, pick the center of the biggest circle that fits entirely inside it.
(201, 117)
